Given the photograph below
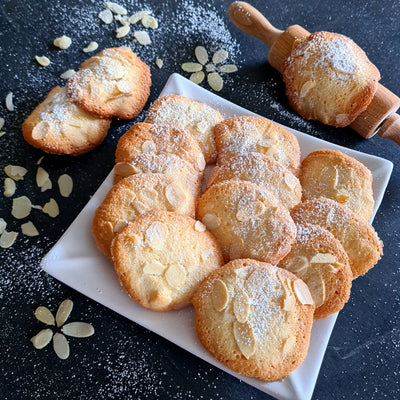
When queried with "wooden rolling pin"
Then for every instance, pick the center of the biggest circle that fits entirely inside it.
(379, 117)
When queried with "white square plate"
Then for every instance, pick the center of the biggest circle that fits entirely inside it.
(76, 261)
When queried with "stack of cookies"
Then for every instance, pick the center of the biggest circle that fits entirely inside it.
(74, 119)
(276, 242)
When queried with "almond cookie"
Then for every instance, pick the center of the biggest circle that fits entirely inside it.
(162, 257)
(197, 118)
(247, 220)
(357, 236)
(321, 262)
(113, 83)
(136, 195)
(167, 164)
(329, 78)
(333, 174)
(58, 126)
(255, 318)
(158, 139)
(262, 171)
(243, 135)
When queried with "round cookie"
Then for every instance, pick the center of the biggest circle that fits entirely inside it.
(262, 171)
(255, 318)
(329, 78)
(136, 195)
(167, 164)
(58, 126)
(158, 139)
(356, 235)
(162, 257)
(247, 220)
(114, 83)
(243, 135)
(197, 118)
(321, 262)
(333, 174)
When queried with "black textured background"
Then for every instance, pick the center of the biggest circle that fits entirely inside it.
(123, 360)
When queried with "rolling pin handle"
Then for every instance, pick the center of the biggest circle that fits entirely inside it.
(390, 128)
(251, 21)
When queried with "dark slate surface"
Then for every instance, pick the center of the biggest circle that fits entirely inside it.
(123, 360)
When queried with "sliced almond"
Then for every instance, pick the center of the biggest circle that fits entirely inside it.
(201, 55)
(289, 302)
(289, 344)
(148, 146)
(197, 77)
(199, 226)
(219, 295)
(61, 346)
(40, 130)
(241, 306)
(175, 196)
(219, 56)
(51, 208)
(215, 81)
(106, 16)
(133, 19)
(302, 292)
(122, 31)
(140, 207)
(306, 88)
(28, 229)
(43, 314)
(159, 63)
(78, 329)
(1, 123)
(211, 221)
(119, 225)
(156, 234)
(67, 74)
(9, 101)
(290, 180)
(62, 42)
(154, 267)
(191, 67)
(43, 61)
(42, 177)
(322, 258)
(64, 311)
(228, 68)
(3, 225)
(267, 142)
(21, 207)
(298, 264)
(317, 288)
(142, 37)
(65, 185)
(92, 46)
(244, 337)
(15, 172)
(116, 8)
(149, 22)
(42, 339)
(175, 275)
(9, 187)
(7, 239)
(201, 162)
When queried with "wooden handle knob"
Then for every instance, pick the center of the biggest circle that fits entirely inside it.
(390, 128)
(251, 21)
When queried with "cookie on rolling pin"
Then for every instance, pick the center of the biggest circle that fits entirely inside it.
(162, 257)
(159, 139)
(337, 176)
(255, 318)
(112, 83)
(329, 78)
(247, 220)
(321, 262)
(136, 195)
(356, 235)
(167, 164)
(197, 118)
(58, 126)
(243, 135)
(262, 171)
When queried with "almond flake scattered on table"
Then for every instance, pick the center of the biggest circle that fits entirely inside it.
(43, 61)
(92, 46)
(9, 101)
